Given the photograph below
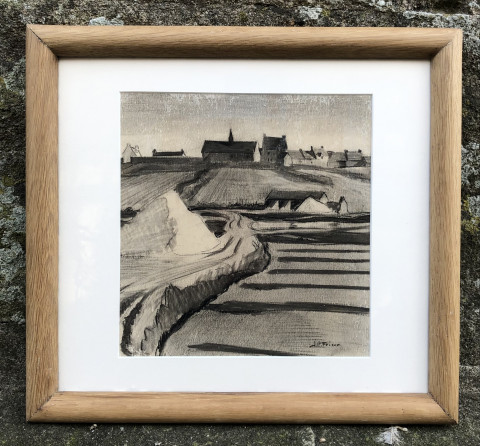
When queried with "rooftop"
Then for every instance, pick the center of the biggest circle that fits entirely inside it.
(300, 155)
(179, 153)
(229, 147)
(274, 143)
(294, 195)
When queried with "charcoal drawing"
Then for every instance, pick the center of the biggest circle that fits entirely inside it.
(245, 224)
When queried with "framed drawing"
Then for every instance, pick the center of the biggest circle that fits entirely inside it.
(286, 252)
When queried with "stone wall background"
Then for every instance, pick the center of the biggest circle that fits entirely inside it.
(14, 15)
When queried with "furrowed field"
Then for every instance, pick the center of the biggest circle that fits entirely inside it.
(225, 187)
(142, 186)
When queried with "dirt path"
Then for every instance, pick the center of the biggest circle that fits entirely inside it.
(147, 311)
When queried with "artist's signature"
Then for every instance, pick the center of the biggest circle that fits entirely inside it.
(324, 344)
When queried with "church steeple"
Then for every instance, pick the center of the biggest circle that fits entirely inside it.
(230, 137)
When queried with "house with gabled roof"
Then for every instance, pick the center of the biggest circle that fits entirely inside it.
(347, 158)
(129, 153)
(230, 150)
(273, 149)
(304, 202)
(176, 154)
(336, 159)
(321, 156)
(354, 158)
(302, 157)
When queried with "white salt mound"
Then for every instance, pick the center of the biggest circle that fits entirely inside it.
(191, 234)
(148, 232)
(166, 225)
(312, 206)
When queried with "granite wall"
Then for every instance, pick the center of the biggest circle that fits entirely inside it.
(15, 14)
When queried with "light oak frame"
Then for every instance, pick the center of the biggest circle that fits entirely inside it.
(45, 44)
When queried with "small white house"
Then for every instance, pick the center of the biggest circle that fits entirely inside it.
(312, 157)
(296, 158)
(322, 156)
(129, 153)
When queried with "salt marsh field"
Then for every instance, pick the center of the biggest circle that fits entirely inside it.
(312, 299)
(308, 295)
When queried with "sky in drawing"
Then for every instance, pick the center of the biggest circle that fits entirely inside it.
(176, 121)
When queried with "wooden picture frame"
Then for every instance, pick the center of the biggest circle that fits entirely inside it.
(46, 44)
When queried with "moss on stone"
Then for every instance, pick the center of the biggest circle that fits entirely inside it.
(12, 135)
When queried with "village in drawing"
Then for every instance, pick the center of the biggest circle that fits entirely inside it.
(245, 224)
